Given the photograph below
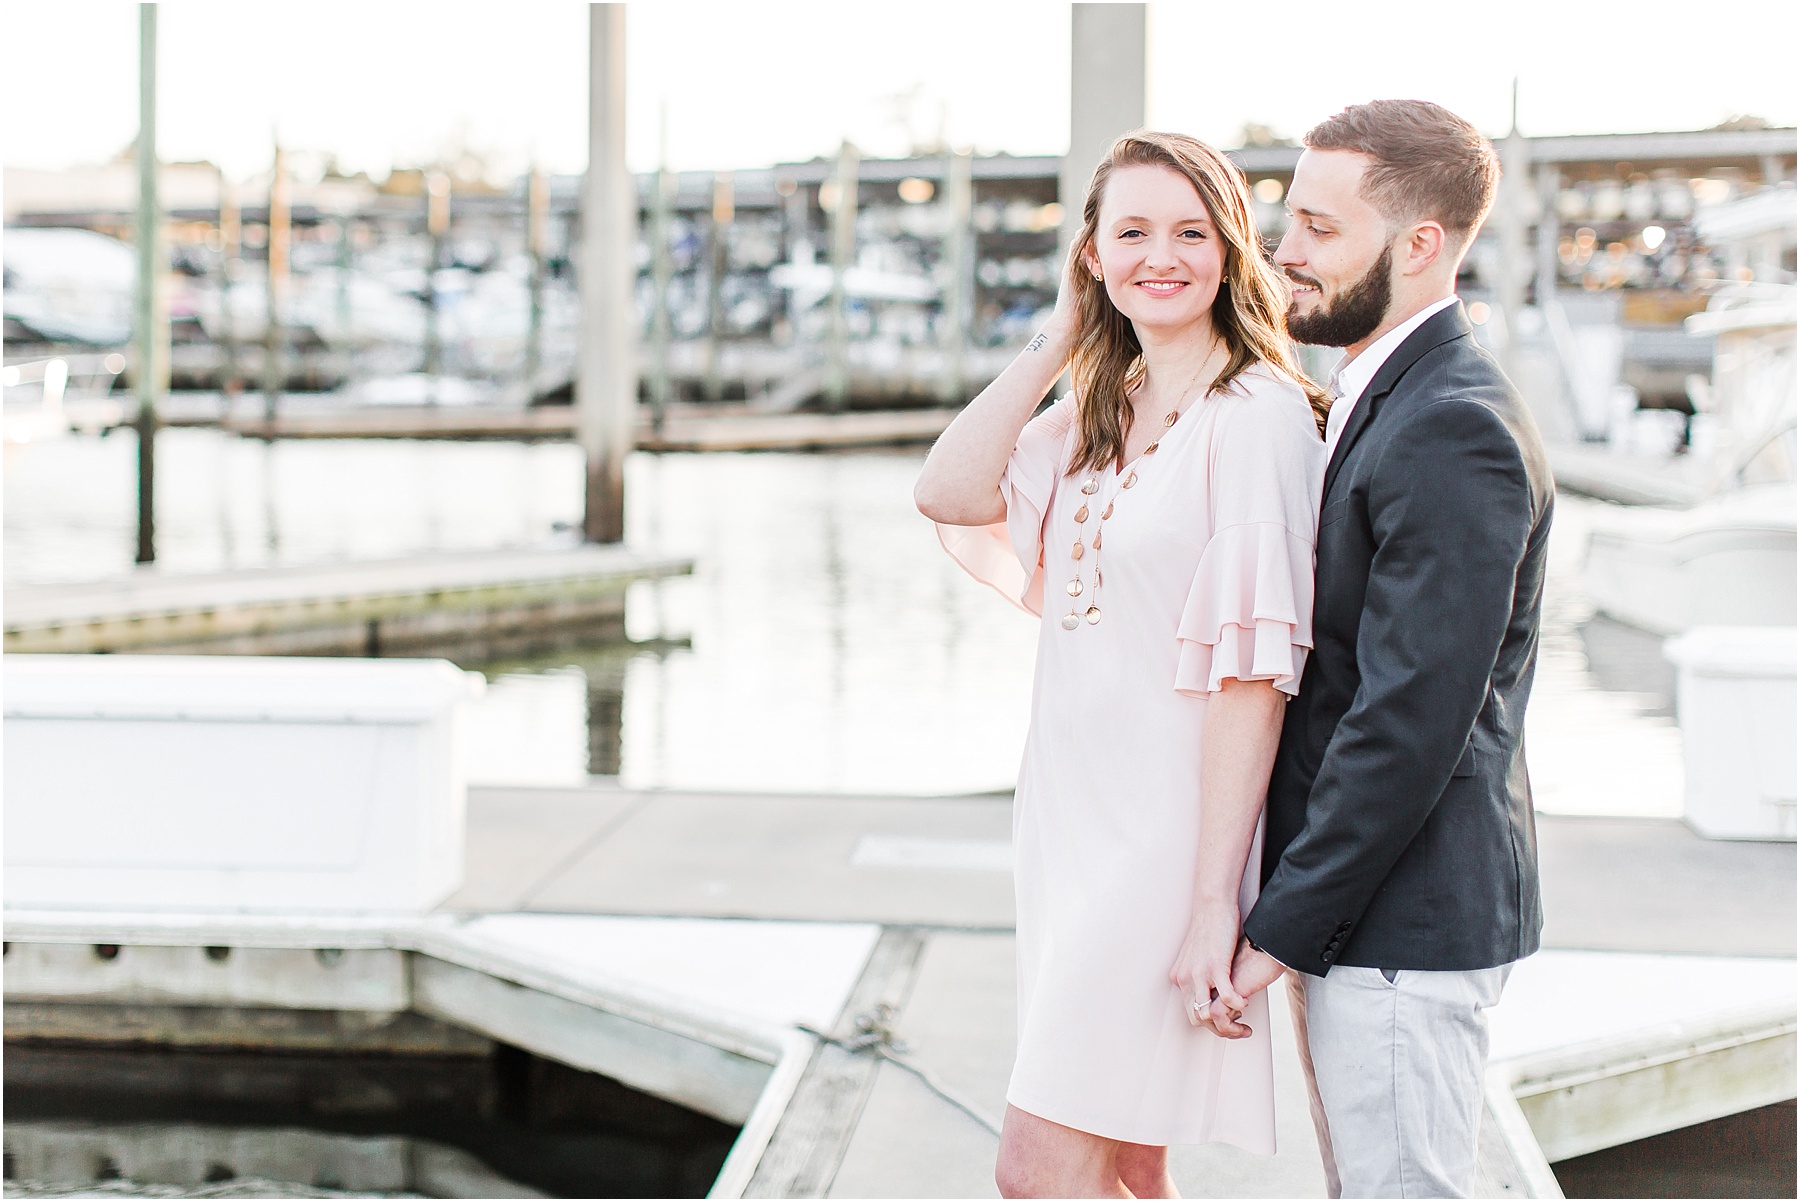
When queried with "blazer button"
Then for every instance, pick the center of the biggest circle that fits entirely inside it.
(1326, 955)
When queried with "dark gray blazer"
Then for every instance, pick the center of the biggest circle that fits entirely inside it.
(1400, 831)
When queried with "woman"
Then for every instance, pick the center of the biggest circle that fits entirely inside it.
(1161, 519)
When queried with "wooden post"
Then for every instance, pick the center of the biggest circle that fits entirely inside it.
(957, 305)
(662, 201)
(1516, 195)
(724, 209)
(537, 246)
(606, 389)
(274, 370)
(1107, 83)
(1549, 234)
(346, 262)
(796, 228)
(231, 242)
(437, 227)
(843, 255)
(152, 317)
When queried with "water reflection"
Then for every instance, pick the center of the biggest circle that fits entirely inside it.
(1600, 734)
(833, 646)
(877, 647)
(824, 644)
(225, 502)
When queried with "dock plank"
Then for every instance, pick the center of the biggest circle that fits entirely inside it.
(517, 838)
(1653, 885)
(761, 856)
(1609, 884)
(959, 1024)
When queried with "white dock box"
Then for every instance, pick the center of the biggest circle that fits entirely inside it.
(233, 784)
(1735, 701)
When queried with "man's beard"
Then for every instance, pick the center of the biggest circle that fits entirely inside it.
(1354, 315)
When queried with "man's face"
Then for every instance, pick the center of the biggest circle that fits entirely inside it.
(1337, 252)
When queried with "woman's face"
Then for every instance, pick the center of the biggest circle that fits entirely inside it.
(1156, 247)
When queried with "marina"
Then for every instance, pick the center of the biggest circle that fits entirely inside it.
(1631, 234)
(718, 895)
(484, 716)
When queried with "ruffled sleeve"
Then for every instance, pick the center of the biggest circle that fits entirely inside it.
(1009, 556)
(1248, 613)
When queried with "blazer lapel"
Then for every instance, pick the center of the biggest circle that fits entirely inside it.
(1438, 329)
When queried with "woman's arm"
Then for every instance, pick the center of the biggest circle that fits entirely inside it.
(960, 483)
(1243, 726)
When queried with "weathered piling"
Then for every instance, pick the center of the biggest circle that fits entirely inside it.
(606, 389)
(152, 316)
(843, 255)
(280, 228)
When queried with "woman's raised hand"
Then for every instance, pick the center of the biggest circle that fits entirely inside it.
(960, 482)
(1058, 334)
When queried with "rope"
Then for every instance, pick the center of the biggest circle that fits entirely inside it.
(875, 1035)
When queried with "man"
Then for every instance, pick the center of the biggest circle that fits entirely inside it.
(1400, 868)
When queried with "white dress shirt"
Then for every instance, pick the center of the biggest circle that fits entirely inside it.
(1350, 380)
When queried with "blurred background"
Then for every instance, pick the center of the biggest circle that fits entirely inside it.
(401, 186)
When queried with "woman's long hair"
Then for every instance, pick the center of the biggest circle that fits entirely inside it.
(1249, 313)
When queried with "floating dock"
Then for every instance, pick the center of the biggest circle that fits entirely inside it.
(835, 975)
(490, 598)
(685, 427)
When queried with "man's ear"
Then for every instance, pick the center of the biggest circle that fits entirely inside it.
(1424, 245)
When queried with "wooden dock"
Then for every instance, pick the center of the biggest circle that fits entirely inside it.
(501, 600)
(642, 930)
(685, 428)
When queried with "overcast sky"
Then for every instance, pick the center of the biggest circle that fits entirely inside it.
(393, 82)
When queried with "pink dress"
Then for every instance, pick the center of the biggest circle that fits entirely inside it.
(1207, 569)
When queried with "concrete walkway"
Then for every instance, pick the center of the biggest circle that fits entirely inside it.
(931, 873)
(1619, 884)
(604, 850)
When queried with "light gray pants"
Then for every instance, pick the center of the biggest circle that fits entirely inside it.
(1395, 1070)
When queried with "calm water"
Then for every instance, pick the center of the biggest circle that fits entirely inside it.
(824, 643)
(495, 1123)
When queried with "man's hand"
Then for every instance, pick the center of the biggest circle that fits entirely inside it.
(1253, 971)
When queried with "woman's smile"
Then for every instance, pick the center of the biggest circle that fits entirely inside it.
(1162, 287)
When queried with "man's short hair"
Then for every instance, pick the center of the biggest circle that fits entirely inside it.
(1428, 163)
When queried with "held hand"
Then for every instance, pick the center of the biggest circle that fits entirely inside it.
(1254, 971)
(1202, 971)
(1251, 973)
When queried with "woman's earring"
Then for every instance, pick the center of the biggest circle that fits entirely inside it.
(1098, 276)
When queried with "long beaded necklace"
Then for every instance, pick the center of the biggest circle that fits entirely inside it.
(1076, 588)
